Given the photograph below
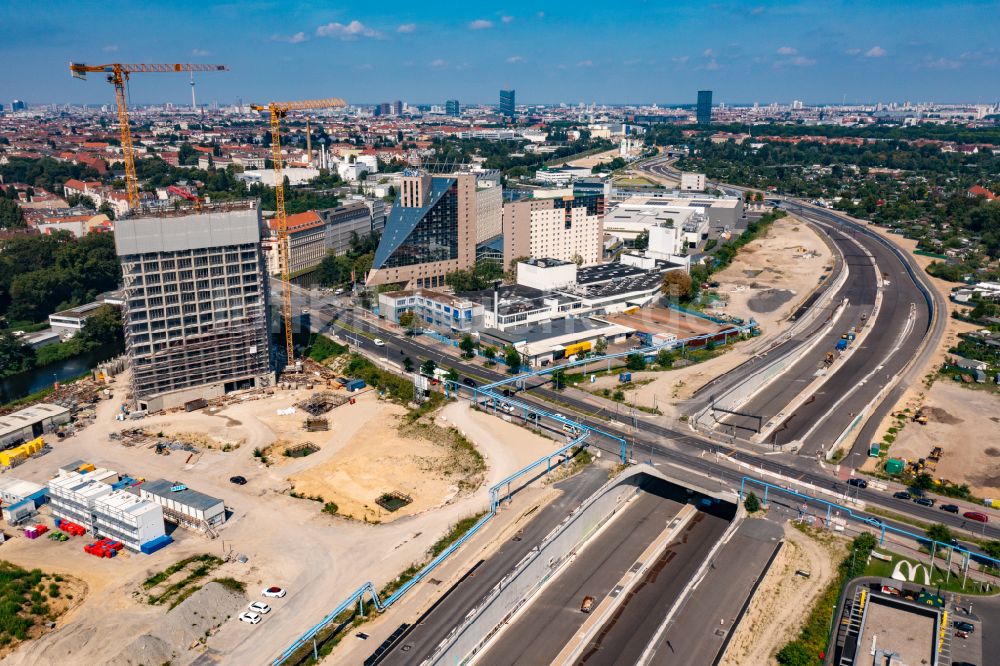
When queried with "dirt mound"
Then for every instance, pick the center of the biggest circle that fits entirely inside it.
(183, 626)
(941, 416)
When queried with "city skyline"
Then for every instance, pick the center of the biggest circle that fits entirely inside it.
(745, 52)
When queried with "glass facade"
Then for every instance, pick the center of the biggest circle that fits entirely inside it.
(507, 103)
(704, 107)
(435, 235)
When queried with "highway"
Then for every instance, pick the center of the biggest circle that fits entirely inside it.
(539, 633)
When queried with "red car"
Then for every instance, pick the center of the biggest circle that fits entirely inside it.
(977, 516)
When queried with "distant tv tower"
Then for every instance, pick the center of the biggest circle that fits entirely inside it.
(194, 104)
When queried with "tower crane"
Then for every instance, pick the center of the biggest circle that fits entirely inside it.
(118, 75)
(278, 111)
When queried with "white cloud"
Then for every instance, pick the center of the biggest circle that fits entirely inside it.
(200, 53)
(515, 59)
(852, 51)
(351, 30)
(585, 63)
(110, 48)
(631, 61)
(406, 28)
(786, 50)
(802, 61)
(507, 19)
(757, 10)
(875, 52)
(713, 65)
(680, 60)
(297, 38)
(942, 63)
(540, 14)
(439, 63)
(480, 24)
(708, 53)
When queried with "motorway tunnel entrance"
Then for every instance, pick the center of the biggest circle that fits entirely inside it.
(676, 492)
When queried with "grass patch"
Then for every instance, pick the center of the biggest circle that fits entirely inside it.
(196, 567)
(322, 348)
(231, 584)
(21, 602)
(455, 533)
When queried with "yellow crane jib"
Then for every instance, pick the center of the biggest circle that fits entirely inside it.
(277, 111)
(118, 74)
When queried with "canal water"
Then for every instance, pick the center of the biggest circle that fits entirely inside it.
(26, 383)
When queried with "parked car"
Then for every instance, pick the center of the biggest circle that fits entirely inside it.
(965, 626)
(238, 480)
(950, 508)
(860, 483)
(379, 342)
(259, 607)
(924, 501)
(961, 634)
(902, 494)
(506, 408)
(250, 618)
(587, 605)
(976, 516)
(275, 592)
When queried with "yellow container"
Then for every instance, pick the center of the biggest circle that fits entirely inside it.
(88, 467)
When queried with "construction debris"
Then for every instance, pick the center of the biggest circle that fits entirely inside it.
(317, 424)
(321, 403)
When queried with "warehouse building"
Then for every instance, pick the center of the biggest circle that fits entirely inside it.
(183, 506)
(30, 423)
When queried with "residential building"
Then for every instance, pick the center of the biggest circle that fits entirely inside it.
(431, 231)
(693, 182)
(567, 228)
(453, 108)
(196, 304)
(306, 243)
(433, 309)
(704, 110)
(508, 104)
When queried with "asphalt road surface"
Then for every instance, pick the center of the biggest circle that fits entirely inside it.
(553, 616)
(624, 638)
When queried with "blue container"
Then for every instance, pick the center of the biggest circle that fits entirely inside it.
(154, 545)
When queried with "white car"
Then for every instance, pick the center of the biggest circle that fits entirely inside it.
(259, 607)
(506, 408)
(250, 618)
(379, 342)
(274, 592)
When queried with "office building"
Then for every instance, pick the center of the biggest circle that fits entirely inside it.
(343, 223)
(183, 506)
(434, 310)
(567, 228)
(453, 108)
(507, 103)
(122, 516)
(18, 105)
(431, 231)
(704, 112)
(196, 304)
(306, 243)
(489, 205)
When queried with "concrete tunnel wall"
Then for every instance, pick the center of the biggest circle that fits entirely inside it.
(512, 592)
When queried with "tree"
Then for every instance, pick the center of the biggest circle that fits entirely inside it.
(751, 503)
(452, 375)
(601, 346)
(428, 367)
(676, 285)
(468, 346)
(665, 358)
(104, 325)
(407, 320)
(558, 379)
(490, 354)
(11, 215)
(923, 481)
(407, 364)
(513, 359)
(15, 355)
(796, 653)
(106, 209)
(641, 240)
(635, 362)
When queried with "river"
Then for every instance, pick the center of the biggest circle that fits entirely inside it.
(26, 383)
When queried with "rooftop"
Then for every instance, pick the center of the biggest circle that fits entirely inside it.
(188, 497)
(28, 416)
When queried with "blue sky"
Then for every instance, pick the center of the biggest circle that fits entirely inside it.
(428, 51)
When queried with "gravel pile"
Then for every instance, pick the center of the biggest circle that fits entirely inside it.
(769, 300)
(183, 626)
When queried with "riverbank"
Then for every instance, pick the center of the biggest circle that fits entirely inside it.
(18, 388)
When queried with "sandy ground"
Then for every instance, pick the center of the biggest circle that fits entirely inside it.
(778, 609)
(954, 413)
(786, 264)
(595, 159)
(289, 542)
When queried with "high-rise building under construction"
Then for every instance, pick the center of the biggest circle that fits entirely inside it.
(196, 303)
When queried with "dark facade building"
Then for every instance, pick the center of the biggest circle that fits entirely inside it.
(453, 108)
(507, 103)
(704, 112)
